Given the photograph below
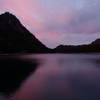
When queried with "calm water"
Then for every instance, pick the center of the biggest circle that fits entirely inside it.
(60, 77)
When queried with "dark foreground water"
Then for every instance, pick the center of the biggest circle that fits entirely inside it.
(50, 77)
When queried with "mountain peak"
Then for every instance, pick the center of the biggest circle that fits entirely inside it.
(7, 13)
(96, 42)
(8, 17)
(15, 37)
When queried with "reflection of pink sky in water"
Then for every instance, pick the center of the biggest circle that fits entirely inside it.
(63, 77)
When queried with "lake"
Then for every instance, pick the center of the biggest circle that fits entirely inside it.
(50, 76)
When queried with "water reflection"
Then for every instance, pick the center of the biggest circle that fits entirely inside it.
(62, 77)
(13, 71)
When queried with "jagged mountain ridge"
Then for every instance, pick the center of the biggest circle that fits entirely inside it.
(14, 37)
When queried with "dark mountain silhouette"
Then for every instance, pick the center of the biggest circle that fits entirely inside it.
(15, 38)
(96, 42)
(92, 47)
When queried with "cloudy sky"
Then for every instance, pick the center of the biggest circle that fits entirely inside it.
(57, 22)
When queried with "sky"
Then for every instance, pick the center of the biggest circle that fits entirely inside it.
(56, 22)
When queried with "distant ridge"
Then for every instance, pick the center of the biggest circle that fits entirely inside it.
(89, 48)
(15, 38)
(96, 42)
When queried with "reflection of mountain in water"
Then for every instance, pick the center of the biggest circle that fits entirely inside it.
(13, 71)
(63, 77)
